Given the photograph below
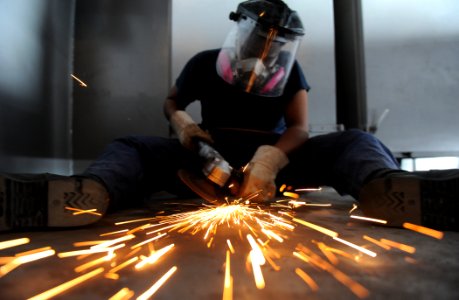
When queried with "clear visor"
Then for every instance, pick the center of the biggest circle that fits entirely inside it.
(258, 61)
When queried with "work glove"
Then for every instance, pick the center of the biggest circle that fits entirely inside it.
(260, 174)
(188, 132)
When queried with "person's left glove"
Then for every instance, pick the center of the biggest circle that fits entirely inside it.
(187, 130)
(261, 172)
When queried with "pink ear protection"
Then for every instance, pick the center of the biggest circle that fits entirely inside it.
(225, 66)
(271, 84)
(227, 73)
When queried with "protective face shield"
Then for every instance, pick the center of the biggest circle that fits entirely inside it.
(259, 51)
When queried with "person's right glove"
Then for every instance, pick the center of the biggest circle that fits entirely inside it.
(261, 172)
(187, 130)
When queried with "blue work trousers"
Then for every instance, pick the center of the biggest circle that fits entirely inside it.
(134, 167)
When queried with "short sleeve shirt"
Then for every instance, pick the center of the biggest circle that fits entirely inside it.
(226, 106)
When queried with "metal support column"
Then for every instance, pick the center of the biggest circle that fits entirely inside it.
(351, 103)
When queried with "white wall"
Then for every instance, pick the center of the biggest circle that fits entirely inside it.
(203, 24)
(412, 68)
(22, 49)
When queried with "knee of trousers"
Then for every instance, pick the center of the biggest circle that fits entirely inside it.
(360, 135)
(139, 140)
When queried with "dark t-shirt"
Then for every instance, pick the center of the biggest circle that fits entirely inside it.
(226, 106)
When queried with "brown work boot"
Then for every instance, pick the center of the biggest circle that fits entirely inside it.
(47, 200)
(428, 198)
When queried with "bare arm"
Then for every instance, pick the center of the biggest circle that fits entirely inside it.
(182, 123)
(296, 117)
(170, 104)
(259, 177)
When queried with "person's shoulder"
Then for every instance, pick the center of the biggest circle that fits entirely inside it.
(202, 63)
(206, 55)
(297, 76)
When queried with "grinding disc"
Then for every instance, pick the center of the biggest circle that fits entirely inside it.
(202, 186)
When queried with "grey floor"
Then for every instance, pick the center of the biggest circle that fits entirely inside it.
(339, 271)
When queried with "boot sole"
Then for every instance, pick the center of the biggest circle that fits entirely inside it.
(431, 202)
(45, 200)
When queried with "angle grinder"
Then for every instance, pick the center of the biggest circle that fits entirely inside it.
(219, 179)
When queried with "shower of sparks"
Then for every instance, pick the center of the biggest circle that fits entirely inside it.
(368, 219)
(256, 255)
(424, 230)
(114, 232)
(122, 294)
(228, 282)
(154, 288)
(282, 188)
(87, 243)
(25, 258)
(87, 251)
(297, 203)
(13, 243)
(80, 82)
(134, 221)
(376, 242)
(256, 268)
(328, 252)
(123, 265)
(230, 246)
(292, 195)
(309, 189)
(256, 231)
(154, 257)
(354, 207)
(317, 227)
(67, 285)
(318, 204)
(400, 246)
(314, 259)
(361, 249)
(309, 281)
(78, 211)
(94, 262)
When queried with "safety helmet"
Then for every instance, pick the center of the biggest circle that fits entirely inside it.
(259, 51)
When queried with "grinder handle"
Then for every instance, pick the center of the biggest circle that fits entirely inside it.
(215, 168)
(207, 152)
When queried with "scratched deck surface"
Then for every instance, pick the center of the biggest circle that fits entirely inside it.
(341, 272)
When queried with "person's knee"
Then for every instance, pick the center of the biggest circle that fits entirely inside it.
(360, 135)
(356, 132)
(138, 140)
(128, 139)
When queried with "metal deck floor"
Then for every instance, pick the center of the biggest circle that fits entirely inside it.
(339, 271)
